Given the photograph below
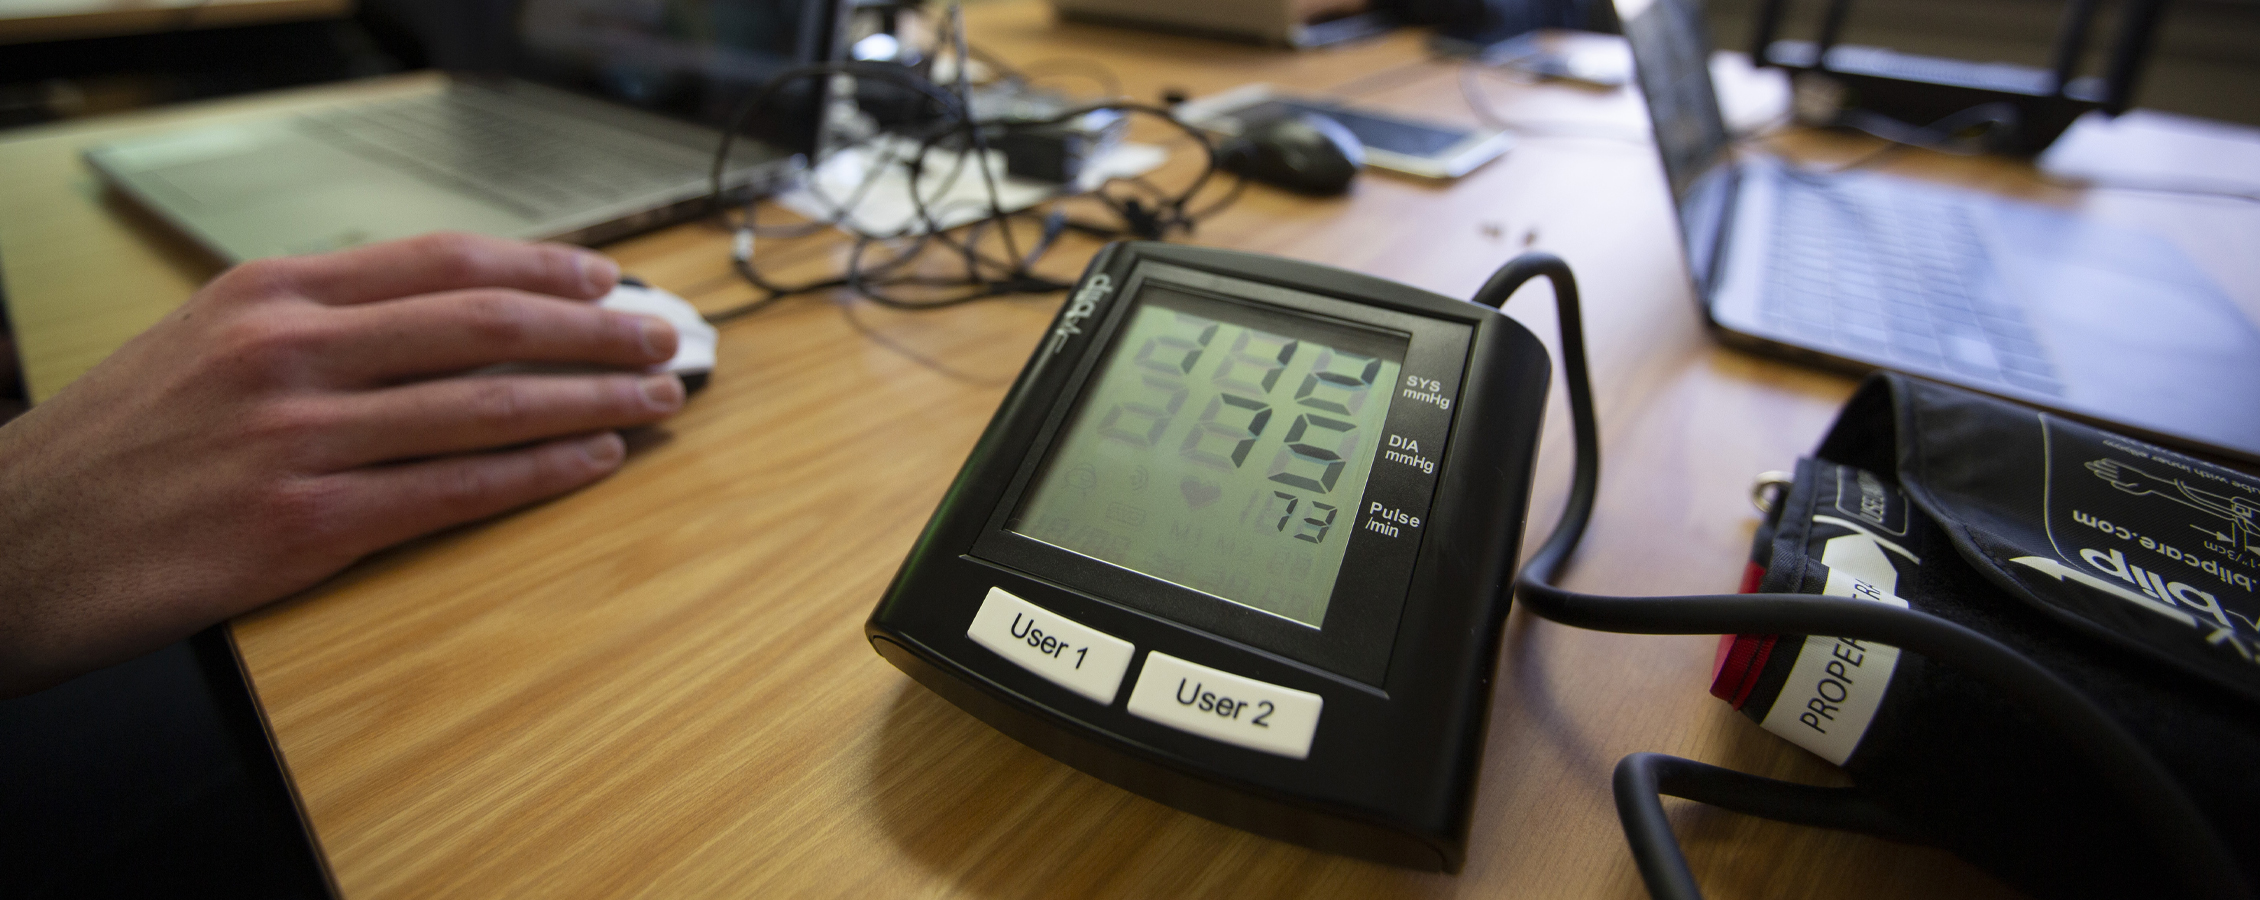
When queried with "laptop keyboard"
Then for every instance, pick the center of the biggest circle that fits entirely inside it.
(1897, 273)
(531, 161)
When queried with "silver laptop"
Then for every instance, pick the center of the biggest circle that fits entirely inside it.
(606, 125)
(1859, 270)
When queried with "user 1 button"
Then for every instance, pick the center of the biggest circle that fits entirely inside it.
(1066, 652)
(1231, 708)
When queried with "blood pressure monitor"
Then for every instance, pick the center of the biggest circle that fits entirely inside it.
(1240, 539)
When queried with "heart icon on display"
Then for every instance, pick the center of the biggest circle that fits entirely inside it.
(1199, 493)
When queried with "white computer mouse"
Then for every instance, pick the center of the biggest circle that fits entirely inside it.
(694, 338)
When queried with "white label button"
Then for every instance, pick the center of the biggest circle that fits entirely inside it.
(1230, 708)
(1066, 652)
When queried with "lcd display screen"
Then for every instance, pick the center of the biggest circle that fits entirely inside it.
(1222, 447)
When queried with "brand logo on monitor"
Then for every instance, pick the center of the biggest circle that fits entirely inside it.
(1085, 302)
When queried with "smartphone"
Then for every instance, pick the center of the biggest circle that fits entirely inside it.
(1395, 142)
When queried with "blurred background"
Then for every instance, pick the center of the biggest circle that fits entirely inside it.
(54, 65)
(2206, 61)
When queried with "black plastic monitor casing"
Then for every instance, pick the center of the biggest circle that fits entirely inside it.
(1391, 771)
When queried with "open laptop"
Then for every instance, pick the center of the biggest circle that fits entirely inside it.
(605, 125)
(1860, 270)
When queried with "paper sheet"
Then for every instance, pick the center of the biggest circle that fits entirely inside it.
(886, 209)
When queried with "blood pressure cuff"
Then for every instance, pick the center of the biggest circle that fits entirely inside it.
(2127, 569)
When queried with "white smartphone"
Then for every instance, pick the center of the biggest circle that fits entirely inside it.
(1394, 142)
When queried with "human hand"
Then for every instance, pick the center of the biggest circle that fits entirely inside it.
(295, 415)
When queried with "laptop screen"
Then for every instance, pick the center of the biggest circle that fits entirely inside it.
(1671, 52)
(692, 59)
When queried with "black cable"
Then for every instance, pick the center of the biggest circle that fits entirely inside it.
(1231, 196)
(858, 279)
(767, 94)
(1208, 146)
(2161, 808)
(1577, 380)
(1004, 70)
(1168, 216)
(847, 311)
(1016, 277)
(986, 275)
(1841, 808)
(770, 299)
(1941, 136)
(1946, 135)
(741, 257)
(741, 261)
(978, 134)
(835, 213)
(1642, 777)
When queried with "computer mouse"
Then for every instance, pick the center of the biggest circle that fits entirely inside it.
(694, 337)
(1303, 152)
(693, 361)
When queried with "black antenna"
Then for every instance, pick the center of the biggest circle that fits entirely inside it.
(2138, 23)
(1831, 27)
(2071, 40)
(1769, 23)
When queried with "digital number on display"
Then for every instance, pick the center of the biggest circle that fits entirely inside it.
(1223, 448)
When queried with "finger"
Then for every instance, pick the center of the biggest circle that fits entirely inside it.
(447, 261)
(462, 330)
(385, 505)
(482, 412)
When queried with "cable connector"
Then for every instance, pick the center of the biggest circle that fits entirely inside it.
(741, 245)
(1143, 222)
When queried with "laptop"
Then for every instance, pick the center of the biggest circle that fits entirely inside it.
(1859, 270)
(603, 122)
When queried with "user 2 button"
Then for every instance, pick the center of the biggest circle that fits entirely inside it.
(1066, 652)
(1231, 708)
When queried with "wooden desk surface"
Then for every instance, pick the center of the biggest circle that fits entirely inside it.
(659, 686)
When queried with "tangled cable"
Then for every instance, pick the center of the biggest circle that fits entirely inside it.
(878, 265)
